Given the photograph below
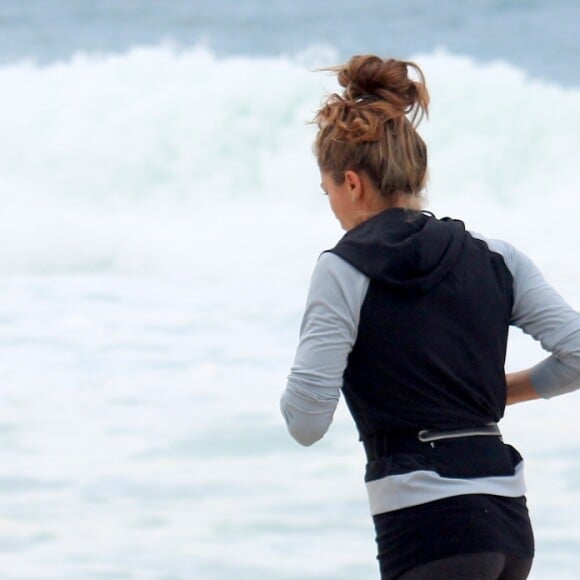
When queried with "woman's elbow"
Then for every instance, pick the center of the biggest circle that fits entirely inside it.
(306, 435)
(306, 428)
(307, 419)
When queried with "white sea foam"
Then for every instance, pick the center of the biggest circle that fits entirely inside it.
(161, 215)
(112, 162)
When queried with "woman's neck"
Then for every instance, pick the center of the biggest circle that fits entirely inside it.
(377, 203)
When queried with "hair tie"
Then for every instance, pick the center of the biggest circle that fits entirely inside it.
(367, 98)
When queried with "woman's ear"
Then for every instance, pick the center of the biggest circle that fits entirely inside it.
(354, 183)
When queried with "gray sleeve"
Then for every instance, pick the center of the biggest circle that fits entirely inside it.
(327, 335)
(542, 313)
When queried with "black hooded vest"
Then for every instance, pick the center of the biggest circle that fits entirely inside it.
(432, 337)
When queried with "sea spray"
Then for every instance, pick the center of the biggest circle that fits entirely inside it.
(101, 151)
(161, 215)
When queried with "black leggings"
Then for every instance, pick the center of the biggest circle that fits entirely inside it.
(481, 566)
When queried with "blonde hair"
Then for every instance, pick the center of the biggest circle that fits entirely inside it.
(371, 126)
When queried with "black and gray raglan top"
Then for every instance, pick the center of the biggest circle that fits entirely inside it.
(408, 315)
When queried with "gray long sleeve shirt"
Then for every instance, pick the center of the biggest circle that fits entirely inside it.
(329, 330)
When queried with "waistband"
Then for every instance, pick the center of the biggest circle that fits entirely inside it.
(385, 443)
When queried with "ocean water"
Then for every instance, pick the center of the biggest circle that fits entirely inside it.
(161, 215)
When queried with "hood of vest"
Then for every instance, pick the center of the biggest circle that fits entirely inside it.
(404, 249)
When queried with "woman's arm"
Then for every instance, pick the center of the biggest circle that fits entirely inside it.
(542, 313)
(327, 335)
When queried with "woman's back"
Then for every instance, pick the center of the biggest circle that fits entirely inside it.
(432, 334)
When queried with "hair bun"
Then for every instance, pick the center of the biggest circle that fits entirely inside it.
(365, 77)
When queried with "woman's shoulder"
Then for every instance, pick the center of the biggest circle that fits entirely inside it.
(495, 245)
(513, 258)
(331, 263)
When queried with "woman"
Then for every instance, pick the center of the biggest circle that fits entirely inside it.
(408, 315)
